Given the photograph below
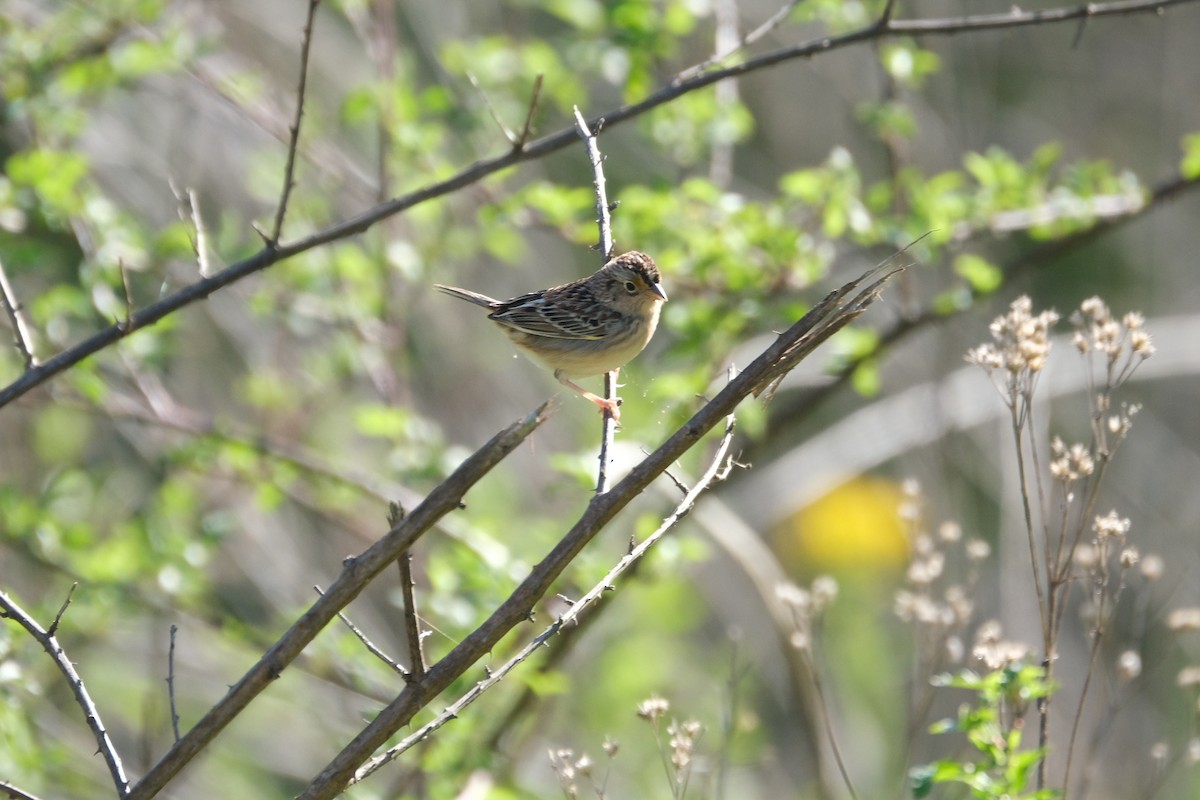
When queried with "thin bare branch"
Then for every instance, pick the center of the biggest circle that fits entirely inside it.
(372, 648)
(604, 222)
(189, 212)
(412, 620)
(527, 128)
(22, 331)
(274, 252)
(775, 361)
(53, 629)
(171, 682)
(495, 115)
(723, 53)
(717, 469)
(357, 572)
(128, 294)
(91, 715)
(289, 170)
(10, 792)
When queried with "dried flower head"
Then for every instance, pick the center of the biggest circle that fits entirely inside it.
(1152, 567)
(1110, 525)
(1097, 329)
(995, 651)
(1129, 665)
(683, 742)
(978, 550)
(824, 591)
(653, 708)
(1188, 677)
(1070, 463)
(1184, 619)
(950, 532)
(1020, 340)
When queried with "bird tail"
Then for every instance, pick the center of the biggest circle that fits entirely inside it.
(470, 297)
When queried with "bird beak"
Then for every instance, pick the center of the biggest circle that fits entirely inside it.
(658, 290)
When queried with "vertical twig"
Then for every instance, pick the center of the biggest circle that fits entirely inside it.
(46, 638)
(412, 626)
(22, 337)
(725, 38)
(604, 221)
(171, 682)
(293, 144)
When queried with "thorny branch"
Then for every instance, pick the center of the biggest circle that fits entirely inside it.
(357, 572)
(718, 468)
(829, 316)
(49, 642)
(604, 221)
(289, 169)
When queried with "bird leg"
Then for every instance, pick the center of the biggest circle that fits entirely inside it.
(611, 406)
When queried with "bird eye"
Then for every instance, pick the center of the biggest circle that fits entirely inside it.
(631, 287)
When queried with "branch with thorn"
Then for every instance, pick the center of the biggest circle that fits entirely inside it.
(775, 362)
(718, 469)
(604, 222)
(48, 640)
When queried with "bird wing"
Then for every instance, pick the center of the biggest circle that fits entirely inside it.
(561, 317)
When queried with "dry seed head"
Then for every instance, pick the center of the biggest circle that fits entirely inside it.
(824, 591)
(1129, 665)
(795, 597)
(978, 550)
(1086, 556)
(1184, 619)
(1188, 677)
(1152, 567)
(1070, 463)
(950, 532)
(1110, 525)
(1129, 557)
(652, 708)
(611, 746)
(1020, 340)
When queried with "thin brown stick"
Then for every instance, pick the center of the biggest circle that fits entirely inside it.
(171, 682)
(22, 331)
(289, 170)
(412, 626)
(527, 128)
(276, 252)
(50, 643)
(372, 648)
(803, 337)
(357, 572)
(604, 222)
(718, 468)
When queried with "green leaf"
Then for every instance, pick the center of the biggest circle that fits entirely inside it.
(983, 276)
(1189, 166)
(383, 422)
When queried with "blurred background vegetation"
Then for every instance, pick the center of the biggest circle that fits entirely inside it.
(208, 471)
